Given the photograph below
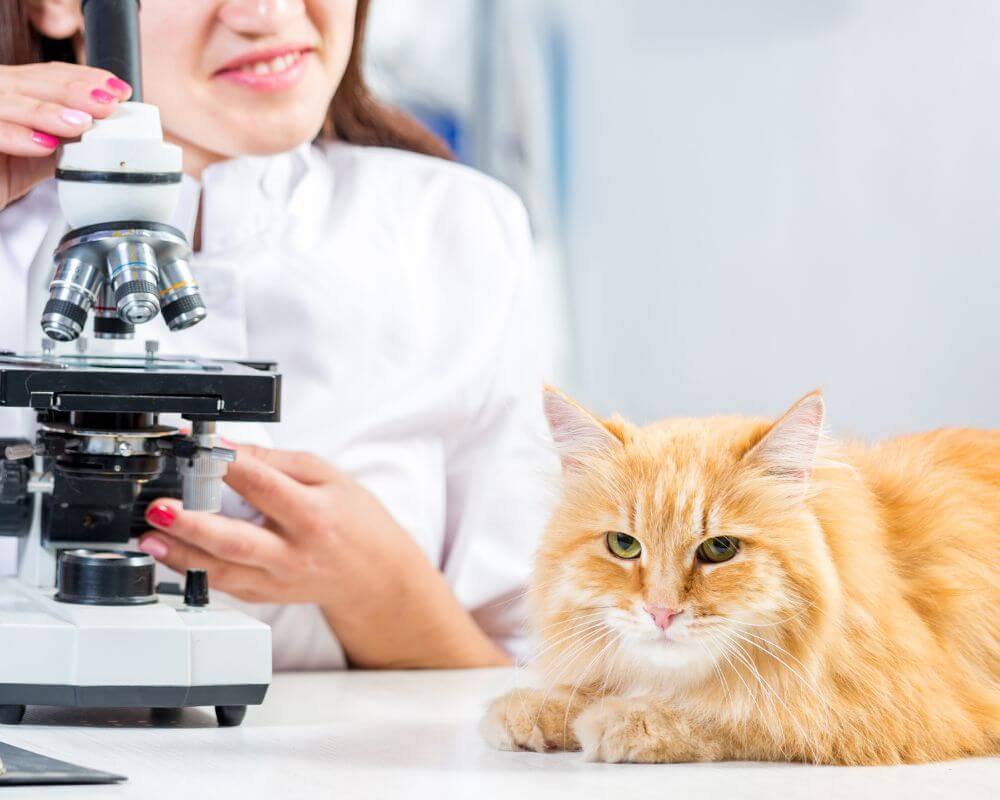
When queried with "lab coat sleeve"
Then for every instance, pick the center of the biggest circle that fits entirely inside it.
(502, 471)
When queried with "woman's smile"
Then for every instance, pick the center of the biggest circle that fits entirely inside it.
(267, 70)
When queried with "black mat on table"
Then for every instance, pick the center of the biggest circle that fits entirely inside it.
(22, 767)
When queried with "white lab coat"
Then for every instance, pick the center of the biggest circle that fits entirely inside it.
(395, 292)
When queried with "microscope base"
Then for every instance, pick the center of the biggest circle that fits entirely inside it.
(163, 655)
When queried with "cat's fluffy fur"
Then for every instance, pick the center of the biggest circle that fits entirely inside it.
(858, 624)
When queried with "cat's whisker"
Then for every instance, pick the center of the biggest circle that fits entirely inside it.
(793, 718)
(527, 591)
(620, 656)
(816, 691)
(618, 637)
(568, 657)
(768, 643)
(703, 643)
(554, 682)
(572, 652)
(767, 692)
(715, 667)
(570, 628)
(761, 719)
(570, 642)
(581, 631)
(768, 624)
(566, 623)
(569, 618)
(624, 671)
(755, 672)
(726, 653)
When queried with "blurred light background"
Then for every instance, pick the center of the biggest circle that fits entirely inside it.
(736, 201)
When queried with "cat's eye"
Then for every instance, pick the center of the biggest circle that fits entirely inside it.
(623, 545)
(717, 549)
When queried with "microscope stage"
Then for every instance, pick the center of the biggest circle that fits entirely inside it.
(197, 388)
(159, 655)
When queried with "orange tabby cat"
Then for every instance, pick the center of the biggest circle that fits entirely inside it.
(733, 588)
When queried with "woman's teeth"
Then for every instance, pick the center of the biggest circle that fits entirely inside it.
(276, 64)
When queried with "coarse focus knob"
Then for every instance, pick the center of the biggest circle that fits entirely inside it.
(196, 588)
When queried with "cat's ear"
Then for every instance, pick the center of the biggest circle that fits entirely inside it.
(578, 434)
(789, 447)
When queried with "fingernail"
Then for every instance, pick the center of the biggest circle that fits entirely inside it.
(119, 86)
(44, 139)
(153, 547)
(74, 117)
(161, 516)
(102, 96)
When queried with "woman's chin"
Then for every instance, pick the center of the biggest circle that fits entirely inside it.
(265, 136)
(274, 144)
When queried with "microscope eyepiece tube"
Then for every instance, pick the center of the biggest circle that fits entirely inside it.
(112, 40)
(180, 298)
(134, 277)
(72, 293)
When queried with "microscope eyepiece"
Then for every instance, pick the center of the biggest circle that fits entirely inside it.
(112, 40)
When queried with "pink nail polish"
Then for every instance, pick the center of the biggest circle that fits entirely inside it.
(44, 139)
(74, 117)
(102, 96)
(119, 86)
(153, 547)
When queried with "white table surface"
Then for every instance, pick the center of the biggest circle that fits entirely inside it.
(413, 735)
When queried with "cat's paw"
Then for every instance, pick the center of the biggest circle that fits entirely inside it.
(645, 731)
(617, 729)
(529, 719)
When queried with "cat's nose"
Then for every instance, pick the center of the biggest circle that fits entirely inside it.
(662, 615)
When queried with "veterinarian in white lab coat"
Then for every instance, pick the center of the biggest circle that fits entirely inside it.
(393, 522)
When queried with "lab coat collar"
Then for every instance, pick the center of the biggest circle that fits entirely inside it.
(246, 199)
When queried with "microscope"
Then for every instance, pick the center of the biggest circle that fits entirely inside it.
(84, 623)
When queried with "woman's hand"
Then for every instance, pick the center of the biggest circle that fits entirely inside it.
(41, 104)
(329, 541)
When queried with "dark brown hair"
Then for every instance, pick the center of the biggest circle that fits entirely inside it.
(355, 115)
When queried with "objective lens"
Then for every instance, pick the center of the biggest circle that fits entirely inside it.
(134, 277)
(180, 301)
(107, 323)
(72, 293)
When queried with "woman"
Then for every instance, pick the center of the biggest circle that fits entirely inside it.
(392, 287)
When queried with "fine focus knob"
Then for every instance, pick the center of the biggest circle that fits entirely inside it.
(196, 588)
(105, 578)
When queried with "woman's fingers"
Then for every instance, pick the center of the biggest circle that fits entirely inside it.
(20, 140)
(94, 91)
(44, 116)
(23, 174)
(274, 493)
(303, 466)
(228, 540)
(244, 582)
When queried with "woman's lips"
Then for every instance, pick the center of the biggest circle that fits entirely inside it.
(268, 72)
